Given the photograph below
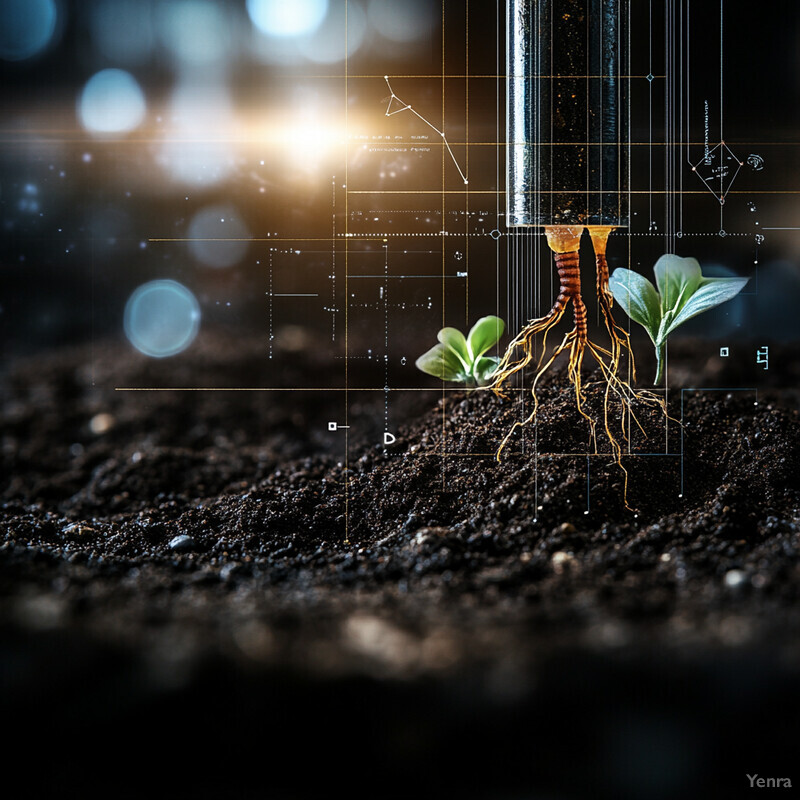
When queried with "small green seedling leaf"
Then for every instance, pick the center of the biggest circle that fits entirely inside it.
(712, 292)
(638, 297)
(484, 368)
(461, 359)
(677, 280)
(453, 339)
(443, 363)
(484, 333)
(683, 293)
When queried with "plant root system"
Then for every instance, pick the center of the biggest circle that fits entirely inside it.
(564, 241)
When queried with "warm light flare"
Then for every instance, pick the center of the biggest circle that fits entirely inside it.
(304, 141)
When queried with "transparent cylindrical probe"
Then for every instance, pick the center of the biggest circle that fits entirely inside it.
(567, 112)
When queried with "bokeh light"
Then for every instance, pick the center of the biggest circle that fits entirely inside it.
(197, 150)
(407, 21)
(111, 102)
(161, 318)
(197, 163)
(26, 27)
(342, 34)
(305, 135)
(229, 234)
(196, 32)
(308, 140)
(29, 201)
(287, 17)
(122, 30)
(275, 51)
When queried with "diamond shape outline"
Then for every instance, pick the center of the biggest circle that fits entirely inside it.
(739, 165)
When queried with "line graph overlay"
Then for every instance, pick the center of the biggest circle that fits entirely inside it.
(390, 112)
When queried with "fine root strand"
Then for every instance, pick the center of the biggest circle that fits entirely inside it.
(521, 355)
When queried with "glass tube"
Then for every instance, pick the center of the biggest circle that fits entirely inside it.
(567, 112)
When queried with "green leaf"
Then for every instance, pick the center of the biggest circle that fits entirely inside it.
(485, 333)
(442, 362)
(638, 297)
(454, 339)
(457, 359)
(684, 293)
(664, 328)
(712, 292)
(677, 280)
(484, 368)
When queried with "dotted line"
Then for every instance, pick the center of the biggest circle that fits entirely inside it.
(497, 234)
(270, 303)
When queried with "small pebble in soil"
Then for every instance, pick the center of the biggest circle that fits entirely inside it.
(101, 423)
(561, 561)
(182, 544)
(412, 522)
(735, 578)
(76, 530)
(431, 536)
(565, 529)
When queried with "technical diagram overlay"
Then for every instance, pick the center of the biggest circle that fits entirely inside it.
(391, 218)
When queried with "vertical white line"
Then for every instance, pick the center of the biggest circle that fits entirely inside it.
(497, 155)
(587, 138)
(346, 294)
(721, 113)
(444, 223)
(680, 106)
(688, 78)
(333, 260)
(629, 71)
(466, 164)
(721, 122)
(270, 304)
(650, 103)
(386, 337)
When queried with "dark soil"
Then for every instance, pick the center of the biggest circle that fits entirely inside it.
(216, 568)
